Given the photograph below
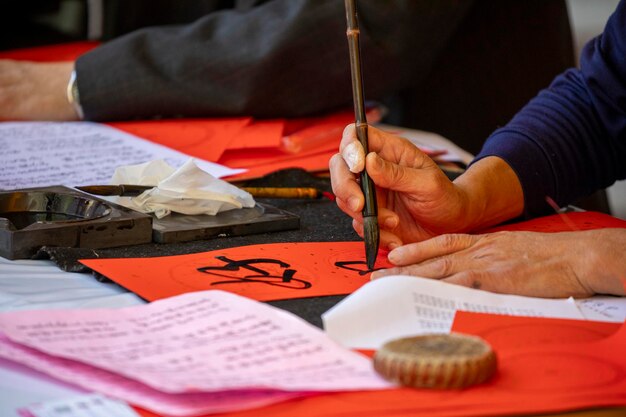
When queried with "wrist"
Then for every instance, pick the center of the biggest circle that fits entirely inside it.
(492, 191)
(599, 261)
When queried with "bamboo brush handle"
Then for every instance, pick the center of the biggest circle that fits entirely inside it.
(282, 192)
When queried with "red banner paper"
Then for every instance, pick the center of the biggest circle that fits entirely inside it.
(262, 272)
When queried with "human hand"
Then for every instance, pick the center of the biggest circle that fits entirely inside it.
(415, 198)
(551, 265)
(35, 91)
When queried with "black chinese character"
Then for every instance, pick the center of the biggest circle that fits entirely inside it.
(256, 275)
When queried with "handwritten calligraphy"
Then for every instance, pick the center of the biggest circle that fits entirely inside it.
(285, 279)
(202, 341)
(275, 271)
(40, 154)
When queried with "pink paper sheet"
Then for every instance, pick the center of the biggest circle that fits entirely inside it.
(117, 386)
(219, 350)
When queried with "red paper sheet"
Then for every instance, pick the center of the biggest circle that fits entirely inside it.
(587, 220)
(312, 162)
(241, 143)
(202, 138)
(260, 134)
(308, 143)
(320, 134)
(262, 272)
(62, 52)
(514, 332)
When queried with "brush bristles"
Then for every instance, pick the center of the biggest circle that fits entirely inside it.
(371, 235)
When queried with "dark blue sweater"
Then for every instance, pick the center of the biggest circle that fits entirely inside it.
(570, 140)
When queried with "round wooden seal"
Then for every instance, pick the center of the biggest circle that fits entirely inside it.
(436, 361)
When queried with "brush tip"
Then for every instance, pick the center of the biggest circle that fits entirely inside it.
(371, 236)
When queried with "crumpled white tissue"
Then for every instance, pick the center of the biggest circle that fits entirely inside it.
(187, 190)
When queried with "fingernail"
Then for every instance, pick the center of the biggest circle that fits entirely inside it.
(395, 255)
(353, 155)
(377, 274)
(353, 203)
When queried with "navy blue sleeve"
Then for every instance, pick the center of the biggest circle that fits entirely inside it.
(570, 140)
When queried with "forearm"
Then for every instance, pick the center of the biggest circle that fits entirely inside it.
(493, 193)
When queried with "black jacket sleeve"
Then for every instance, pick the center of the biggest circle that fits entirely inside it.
(279, 58)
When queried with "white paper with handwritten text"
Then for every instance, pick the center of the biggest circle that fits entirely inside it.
(41, 154)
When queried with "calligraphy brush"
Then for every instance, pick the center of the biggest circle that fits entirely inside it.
(128, 190)
(371, 232)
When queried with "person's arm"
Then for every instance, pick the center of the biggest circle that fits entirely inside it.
(415, 198)
(571, 139)
(568, 141)
(35, 91)
(279, 59)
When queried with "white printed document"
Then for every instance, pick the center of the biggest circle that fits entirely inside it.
(41, 154)
(400, 306)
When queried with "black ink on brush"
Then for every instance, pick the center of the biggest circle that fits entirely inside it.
(353, 266)
(371, 233)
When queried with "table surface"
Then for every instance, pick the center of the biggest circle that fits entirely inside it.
(321, 220)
